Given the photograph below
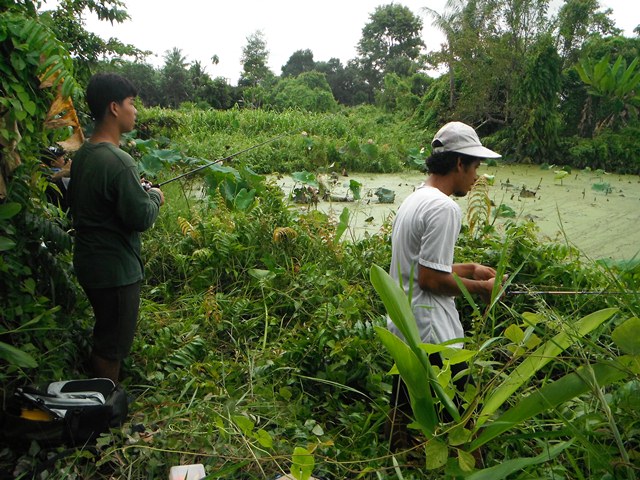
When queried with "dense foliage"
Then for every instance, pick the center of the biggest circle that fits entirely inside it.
(259, 349)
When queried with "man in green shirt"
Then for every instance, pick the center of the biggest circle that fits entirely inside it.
(110, 208)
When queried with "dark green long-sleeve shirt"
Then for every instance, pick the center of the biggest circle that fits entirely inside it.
(109, 208)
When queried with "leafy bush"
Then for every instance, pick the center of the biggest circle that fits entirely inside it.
(308, 91)
(613, 152)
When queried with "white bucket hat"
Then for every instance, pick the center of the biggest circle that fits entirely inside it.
(461, 138)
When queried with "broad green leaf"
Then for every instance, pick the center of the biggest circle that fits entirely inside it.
(6, 244)
(432, 348)
(170, 156)
(436, 453)
(550, 396)
(261, 275)
(397, 305)
(514, 333)
(415, 377)
(264, 438)
(466, 462)
(355, 187)
(244, 199)
(507, 467)
(150, 164)
(15, 356)
(343, 224)
(458, 355)
(631, 363)
(369, 149)
(245, 424)
(285, 392)
(540, 357)
(459, 435)
(626, 336)
(145, 146)
(251, 176)
(491, 179)
(306, 178)
(303, 463)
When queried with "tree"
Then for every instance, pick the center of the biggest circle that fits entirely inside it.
(488, 42)
(86, 48)
(175, 78)
(299, 61)
(309, 91)
(390, 43)
(448, 23)
(537, 119)
(339, 79)
(577, 21)
(613, 92)
(254, 61)
(145, 77)
(200, 82)
(220, 95)
(36, 111)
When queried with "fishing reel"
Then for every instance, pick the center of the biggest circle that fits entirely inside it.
(147, 185)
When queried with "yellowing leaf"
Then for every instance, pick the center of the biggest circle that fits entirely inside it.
(62, 113)
(514, 333)
(466, 462)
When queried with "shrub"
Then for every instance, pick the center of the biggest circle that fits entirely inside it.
(613, 152)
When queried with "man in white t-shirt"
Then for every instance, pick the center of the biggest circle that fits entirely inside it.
(425, 231)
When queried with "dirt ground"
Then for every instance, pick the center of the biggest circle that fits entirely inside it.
(602, 223)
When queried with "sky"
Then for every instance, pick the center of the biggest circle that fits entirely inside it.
(329, 28)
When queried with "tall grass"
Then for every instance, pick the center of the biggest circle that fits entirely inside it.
(363, 139)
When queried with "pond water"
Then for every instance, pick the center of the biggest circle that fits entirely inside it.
(598, 213)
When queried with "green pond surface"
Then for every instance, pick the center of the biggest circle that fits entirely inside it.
(597, 212)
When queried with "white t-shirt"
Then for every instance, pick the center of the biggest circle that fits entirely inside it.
(425, 231)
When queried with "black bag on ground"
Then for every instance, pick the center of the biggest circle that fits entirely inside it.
(71, 412)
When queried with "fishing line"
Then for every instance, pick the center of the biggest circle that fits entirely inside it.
(567, 292)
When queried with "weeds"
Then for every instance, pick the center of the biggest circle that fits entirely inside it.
(257, 351)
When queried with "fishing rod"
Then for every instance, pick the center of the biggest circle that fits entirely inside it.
(148, 185)
(567, 292)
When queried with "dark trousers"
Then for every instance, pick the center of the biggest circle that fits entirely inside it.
(116, 312)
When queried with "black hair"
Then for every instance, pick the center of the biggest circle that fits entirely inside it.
(442, 163)
(49, 154)
(105, 88)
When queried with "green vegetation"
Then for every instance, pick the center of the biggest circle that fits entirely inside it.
(259, 348)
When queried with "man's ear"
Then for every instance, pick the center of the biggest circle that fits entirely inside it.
(459, 164)
(113, 108)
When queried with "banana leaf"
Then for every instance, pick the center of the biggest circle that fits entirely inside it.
(399, 309)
